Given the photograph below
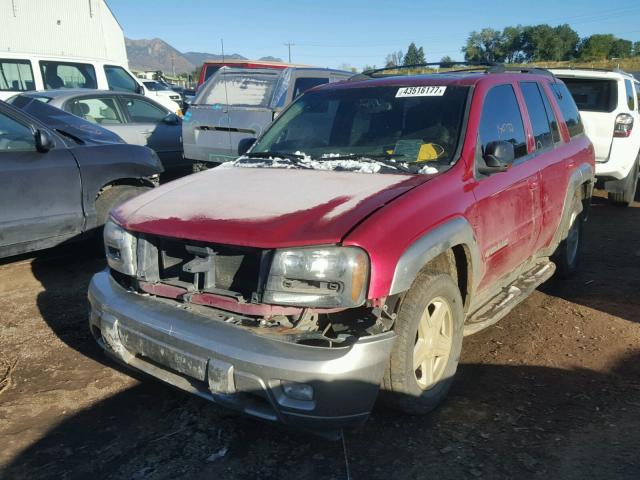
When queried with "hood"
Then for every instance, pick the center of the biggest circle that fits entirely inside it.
(265, 208)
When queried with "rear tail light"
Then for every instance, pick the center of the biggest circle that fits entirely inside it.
(623, 125)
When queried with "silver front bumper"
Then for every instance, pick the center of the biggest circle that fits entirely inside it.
(234, 366)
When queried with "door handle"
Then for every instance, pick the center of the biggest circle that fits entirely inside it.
(533, 184)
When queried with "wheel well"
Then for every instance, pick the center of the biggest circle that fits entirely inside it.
(455, 262)
(133, 182)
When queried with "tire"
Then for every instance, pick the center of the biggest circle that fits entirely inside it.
(568, 256)
(114, 196)
(408, 389)
(630, 184)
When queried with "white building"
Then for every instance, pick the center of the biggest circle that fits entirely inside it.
(71, 28)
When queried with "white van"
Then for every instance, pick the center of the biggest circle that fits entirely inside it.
(24, 72)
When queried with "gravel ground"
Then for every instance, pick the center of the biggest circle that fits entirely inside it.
(551, 391)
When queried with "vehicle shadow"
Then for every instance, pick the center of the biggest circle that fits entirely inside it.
(498, 422)
(609, 278)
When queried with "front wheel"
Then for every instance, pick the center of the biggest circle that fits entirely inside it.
(429, 330)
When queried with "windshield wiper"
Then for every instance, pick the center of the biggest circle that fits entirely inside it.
(272, 154)
(384, 158)
(293, 158)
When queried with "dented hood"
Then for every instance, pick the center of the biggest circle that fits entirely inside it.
(263, 207)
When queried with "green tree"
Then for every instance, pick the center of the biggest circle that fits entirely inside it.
(621, 48)
(368, 67)
(596, 47)
(636, 48)
(484, 46)
(446, 60)
(414, 55)
(539, 42)
(511, 44)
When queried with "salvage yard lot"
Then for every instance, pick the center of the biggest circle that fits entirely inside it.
(551, 391)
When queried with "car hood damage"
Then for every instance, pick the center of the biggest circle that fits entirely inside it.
(264, 208)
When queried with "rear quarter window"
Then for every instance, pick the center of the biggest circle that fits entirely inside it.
(568, 108)
(631, 98)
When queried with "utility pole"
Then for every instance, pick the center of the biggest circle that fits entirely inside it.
(173, 65)
(289, 44)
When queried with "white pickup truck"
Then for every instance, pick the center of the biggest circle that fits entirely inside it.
(609, 104)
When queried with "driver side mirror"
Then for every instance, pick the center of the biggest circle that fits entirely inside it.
(140, 90)
(244, 145)
(172, 119)
(498, 157)
(44, 141)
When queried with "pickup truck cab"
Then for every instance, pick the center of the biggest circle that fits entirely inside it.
(374, 224)
(60, 175)
(609, 105)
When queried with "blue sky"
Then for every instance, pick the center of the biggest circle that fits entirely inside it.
(355, 32)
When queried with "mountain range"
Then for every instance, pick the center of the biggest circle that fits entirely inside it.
(156, 54)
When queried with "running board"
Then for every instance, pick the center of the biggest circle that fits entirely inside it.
(500, 305)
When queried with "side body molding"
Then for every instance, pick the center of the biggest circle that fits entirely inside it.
(454, 232)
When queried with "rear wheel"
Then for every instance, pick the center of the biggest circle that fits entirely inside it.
(629, 186)
(568, 256)
(427, 349)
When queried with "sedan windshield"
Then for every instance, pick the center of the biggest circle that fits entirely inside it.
(390, 129)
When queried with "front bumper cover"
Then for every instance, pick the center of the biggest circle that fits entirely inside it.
(234, 366)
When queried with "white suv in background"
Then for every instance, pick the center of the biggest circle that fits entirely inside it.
(609, 103)
(157, 89)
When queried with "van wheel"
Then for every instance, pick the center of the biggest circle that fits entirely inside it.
(114, 196)
(568, 256)
(630, 183)
(425, 356)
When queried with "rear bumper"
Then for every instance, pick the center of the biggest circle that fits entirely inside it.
(235, 367)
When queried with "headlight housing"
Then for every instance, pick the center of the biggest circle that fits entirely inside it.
(318, 277)
(120, 248)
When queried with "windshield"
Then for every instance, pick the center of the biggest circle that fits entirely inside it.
(410, 129)
(238, 87)
(155, 86)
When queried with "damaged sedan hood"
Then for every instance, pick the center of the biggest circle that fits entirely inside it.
(260, 207)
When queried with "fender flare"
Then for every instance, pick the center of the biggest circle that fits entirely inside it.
(457, 231)
(581, 175)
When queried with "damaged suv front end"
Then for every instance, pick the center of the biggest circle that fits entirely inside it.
(293, 341)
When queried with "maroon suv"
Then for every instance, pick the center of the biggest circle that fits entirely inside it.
(371, 227)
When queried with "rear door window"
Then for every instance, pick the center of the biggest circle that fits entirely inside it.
(537, 115)
(568, 108)
(501, 120)
(67, 75)
(304, 84)
(103, 111)
(593, 94)
(142, 111)
(119, 80)
(631, 98)
(551, 116)
(16, 76)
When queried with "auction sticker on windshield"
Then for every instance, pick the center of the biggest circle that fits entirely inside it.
(424, 91)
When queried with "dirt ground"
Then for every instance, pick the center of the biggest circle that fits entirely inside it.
(551, 391)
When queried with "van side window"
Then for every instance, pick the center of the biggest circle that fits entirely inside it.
(501, 120)
(119, 80)
(631, 98)
(568, 109)
(537, 115)
(551, 116)
(67, 75)
(16, 75)
(304, 84)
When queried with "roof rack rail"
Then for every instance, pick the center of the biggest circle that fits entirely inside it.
(486, 67)
(373, 73)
